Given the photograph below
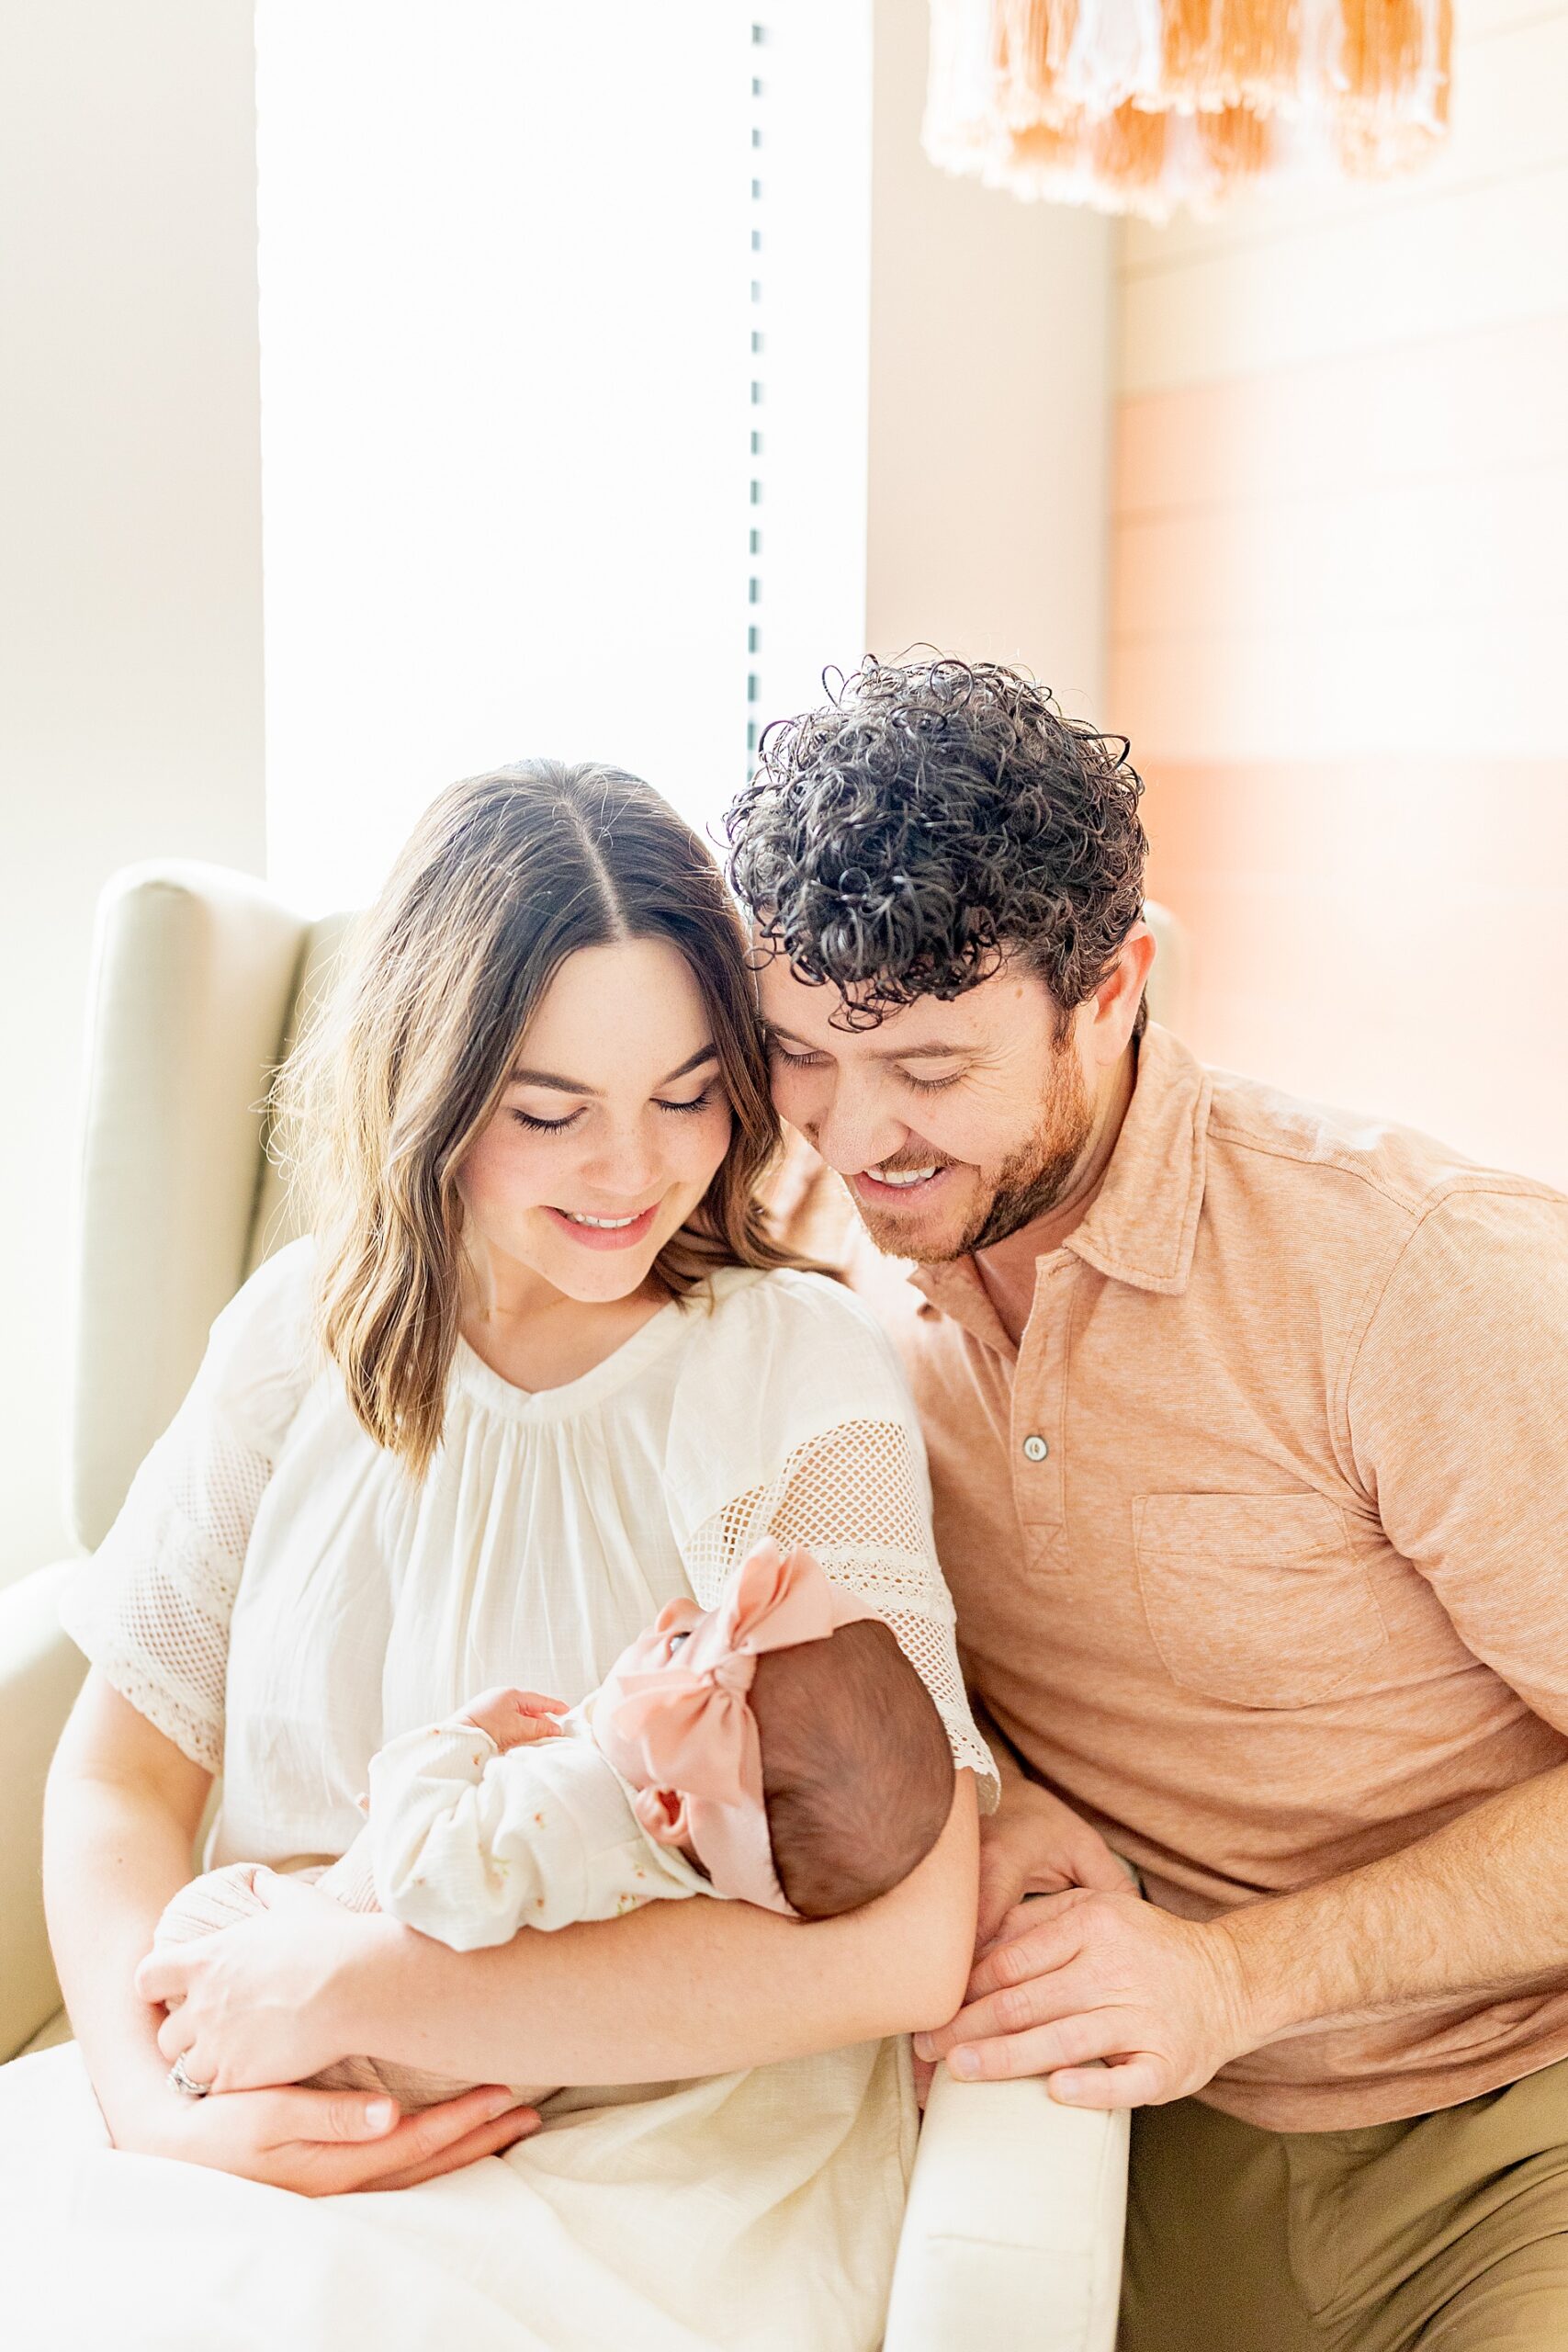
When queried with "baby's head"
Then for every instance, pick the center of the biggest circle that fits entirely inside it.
(857, 1772)
(782, 1739)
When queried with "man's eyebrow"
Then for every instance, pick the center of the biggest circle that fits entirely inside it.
(933, 1053)
(558, 1085)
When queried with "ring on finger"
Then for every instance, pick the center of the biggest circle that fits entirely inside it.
(181, 2081)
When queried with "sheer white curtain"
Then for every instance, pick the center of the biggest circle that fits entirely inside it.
(507, 329)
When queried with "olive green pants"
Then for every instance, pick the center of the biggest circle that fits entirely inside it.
(1449, 2232)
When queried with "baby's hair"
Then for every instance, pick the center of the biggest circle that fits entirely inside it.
(857, 1772)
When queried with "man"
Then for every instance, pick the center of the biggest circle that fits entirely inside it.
(1247, 1423)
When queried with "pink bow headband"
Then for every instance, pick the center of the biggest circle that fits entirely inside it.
(684, 1735)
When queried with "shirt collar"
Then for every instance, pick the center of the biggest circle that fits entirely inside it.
(1142, 1227)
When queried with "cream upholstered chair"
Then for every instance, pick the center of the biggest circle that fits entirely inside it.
(1014, 2227)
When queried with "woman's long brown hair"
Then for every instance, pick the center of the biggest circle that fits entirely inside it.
(405, 1061)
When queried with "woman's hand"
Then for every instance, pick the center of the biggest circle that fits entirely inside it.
(250, 2007)
(1035, 1844)
(324, 2144)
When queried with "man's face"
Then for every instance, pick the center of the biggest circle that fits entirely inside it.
(954, 1124)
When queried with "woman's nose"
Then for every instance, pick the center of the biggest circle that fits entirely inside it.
(624, 1166)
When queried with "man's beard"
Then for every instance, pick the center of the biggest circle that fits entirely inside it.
(1032, 1178)
(1029, 1181)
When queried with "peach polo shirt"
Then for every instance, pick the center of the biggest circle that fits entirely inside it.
(1260, 1539)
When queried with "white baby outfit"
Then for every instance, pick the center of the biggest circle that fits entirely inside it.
(282, 1601)
(469, 1845)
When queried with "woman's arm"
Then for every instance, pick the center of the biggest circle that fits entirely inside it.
(120, 1810)
(677, 1989)
(682, 1988)
(1032, 1844)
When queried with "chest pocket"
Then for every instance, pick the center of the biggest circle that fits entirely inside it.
(1255, 1599)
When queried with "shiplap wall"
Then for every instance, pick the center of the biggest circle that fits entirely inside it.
(1338, 611)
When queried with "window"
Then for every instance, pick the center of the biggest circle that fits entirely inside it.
(506, 321)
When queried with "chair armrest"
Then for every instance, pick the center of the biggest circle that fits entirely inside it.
(1012, 2234)
(41, 1672)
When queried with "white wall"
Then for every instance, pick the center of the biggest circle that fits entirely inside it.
(130, 708)
(990, 407)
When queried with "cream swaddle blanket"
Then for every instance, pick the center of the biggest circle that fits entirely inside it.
(468, 1842)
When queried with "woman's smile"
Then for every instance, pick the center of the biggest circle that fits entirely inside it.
(603, 1233)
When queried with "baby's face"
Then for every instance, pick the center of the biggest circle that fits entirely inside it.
(680, 1633)
(677, 1623)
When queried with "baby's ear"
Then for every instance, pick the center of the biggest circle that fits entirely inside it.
(663, 1812)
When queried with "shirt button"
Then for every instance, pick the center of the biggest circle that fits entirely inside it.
(1036, 1449)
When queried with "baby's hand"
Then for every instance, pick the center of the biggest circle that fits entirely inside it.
(514, 1718)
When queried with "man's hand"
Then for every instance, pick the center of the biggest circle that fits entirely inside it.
(1117, 2003)
(1033, 1844)
(516, 1718)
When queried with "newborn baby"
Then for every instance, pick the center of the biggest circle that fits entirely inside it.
(777, 1749)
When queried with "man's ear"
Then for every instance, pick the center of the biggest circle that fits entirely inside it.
(1116, 1000)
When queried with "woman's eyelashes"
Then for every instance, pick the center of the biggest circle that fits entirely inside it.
(546, 1126)
(698, 1102)
(560, 1126)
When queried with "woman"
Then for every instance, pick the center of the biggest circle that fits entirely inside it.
(538, 1371)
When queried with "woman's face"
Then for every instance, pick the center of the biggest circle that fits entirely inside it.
(609, 1132)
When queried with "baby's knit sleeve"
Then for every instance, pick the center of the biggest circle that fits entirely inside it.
(150, 1609)
(808, 1403)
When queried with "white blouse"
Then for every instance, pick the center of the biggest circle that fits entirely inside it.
(281, 1599)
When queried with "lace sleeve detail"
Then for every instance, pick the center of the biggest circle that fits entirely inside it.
(854, 1497)
(150, 1609)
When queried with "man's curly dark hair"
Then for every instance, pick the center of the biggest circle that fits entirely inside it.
(931, 819)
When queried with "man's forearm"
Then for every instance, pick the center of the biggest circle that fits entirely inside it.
(1480, 1906)
(677, 1989)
